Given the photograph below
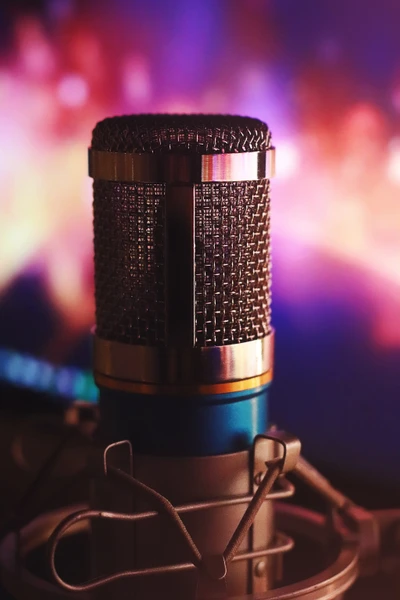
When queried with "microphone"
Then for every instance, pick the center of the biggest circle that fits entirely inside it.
(183, 342)
(185, 506)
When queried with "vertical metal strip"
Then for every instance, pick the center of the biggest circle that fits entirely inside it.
(179, 265)
(262, 574)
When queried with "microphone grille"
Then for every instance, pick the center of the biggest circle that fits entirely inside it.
(205, 134)
(232, 267)
(129, 236)
(232, 262)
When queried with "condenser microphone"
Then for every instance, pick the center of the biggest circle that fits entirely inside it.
(183, 341)
(183, 469)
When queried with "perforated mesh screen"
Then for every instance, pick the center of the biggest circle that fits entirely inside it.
(129, 262)
(232, 237)
(204, 134)
(232, 243)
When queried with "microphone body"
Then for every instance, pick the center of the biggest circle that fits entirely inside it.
(183, 359)
(183, 348)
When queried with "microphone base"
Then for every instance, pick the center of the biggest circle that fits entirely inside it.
(208, 480)
(318, 567)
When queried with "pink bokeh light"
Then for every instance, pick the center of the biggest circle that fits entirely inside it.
(336, 194)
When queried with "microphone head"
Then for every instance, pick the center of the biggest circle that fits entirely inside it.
(188, 268)
(202, 134)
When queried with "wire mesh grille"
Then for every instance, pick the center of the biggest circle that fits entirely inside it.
(129, 262)
(233, 268)
(203, 134)
(232, 262)
(232, 239)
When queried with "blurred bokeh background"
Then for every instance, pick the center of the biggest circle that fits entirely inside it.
(326, 78)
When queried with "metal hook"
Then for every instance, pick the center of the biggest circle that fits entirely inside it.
(115, 445)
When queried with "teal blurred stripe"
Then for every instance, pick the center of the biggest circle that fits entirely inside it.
(26, 371)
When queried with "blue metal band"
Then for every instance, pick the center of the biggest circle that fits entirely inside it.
(176, 426)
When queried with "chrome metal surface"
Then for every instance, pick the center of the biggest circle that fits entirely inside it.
(179, 266)
(210, 494)
(207, 365)
(361, 521)
(243, 166)
(273, 472)
(196, 389)
(328, 584)
(285, 490)
(288, 447)
(369, 536)
(181, 168)
(359, 542)
(283, 543)
(111, 447)
(262, 536)
(166, 508)
(339, 576)
(211, 581)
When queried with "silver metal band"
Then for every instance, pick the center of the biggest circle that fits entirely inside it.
(176, 366)
(181, 168)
